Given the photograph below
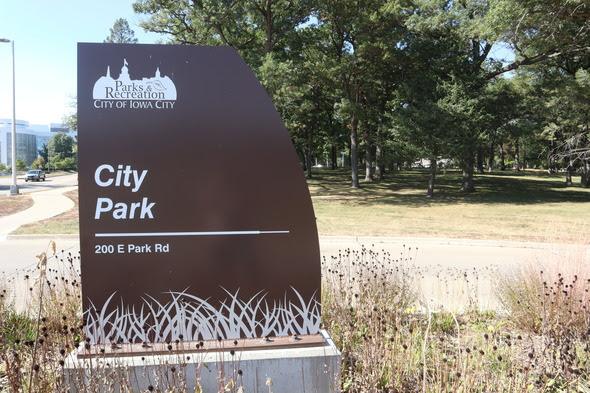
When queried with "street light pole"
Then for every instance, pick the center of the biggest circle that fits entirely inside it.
(13, 186)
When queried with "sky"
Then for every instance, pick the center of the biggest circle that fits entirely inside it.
(45, 35)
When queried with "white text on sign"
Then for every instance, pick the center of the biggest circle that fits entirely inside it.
(124, 176)
(144, 248)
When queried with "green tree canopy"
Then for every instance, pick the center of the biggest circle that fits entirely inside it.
(71, 121)
(539, 30)
(60, 146)
(21, 165)
(121, 33)
(44, 152)
(405, 79)
(253, 28)
(39, 163)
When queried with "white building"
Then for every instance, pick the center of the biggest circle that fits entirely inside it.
(30, 138)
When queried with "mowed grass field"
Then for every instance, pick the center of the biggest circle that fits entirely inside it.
(517, 206)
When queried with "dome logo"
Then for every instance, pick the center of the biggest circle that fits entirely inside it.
(147, 93)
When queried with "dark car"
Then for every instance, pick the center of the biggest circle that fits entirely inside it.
(35, 175)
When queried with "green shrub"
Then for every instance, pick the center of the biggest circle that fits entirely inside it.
(21, 165)
(39, 163)
(68, 163)
(15, 328)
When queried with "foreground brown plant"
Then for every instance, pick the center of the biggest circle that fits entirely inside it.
(392, 337)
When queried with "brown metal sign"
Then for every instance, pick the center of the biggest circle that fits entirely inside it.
(195, 218)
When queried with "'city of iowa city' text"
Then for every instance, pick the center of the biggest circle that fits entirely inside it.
(133, 104)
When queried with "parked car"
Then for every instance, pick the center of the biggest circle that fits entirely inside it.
(35, 175)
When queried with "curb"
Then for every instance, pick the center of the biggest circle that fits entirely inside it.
(361, 240)
(42, 236)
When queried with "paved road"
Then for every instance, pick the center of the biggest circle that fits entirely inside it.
(48, 184)
(458, 253)
(457, 273)
(19, 251)
(18, 265)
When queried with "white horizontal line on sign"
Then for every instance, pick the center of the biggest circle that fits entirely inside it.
(143, 234)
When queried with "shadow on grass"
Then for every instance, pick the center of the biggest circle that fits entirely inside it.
(408, 188)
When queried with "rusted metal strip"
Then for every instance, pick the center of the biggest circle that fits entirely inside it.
(183, 347)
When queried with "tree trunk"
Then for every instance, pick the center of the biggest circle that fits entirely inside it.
(502, 162)
(354, 169)
(431, 178)
(525, 164)
(491, 157)
(569, 173)
(467, 183)
(480, 160)
(333, 157)
(302, 159)
(517, 155)
(551, 160)
(380, 164)
(585, 174)
(268, 16)
(368, 158)
(309, 155)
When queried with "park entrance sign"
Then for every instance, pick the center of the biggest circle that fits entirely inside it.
(195, 219)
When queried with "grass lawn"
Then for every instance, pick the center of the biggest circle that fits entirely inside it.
(14, 204)
(59, 173)
(525, 206)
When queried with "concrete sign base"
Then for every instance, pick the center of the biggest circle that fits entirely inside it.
(285, 370)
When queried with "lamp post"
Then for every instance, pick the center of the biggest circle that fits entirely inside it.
(13, 186)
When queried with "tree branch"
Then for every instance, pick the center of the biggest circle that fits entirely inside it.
(532, 60)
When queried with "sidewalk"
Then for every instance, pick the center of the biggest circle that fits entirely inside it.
(47, 204)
